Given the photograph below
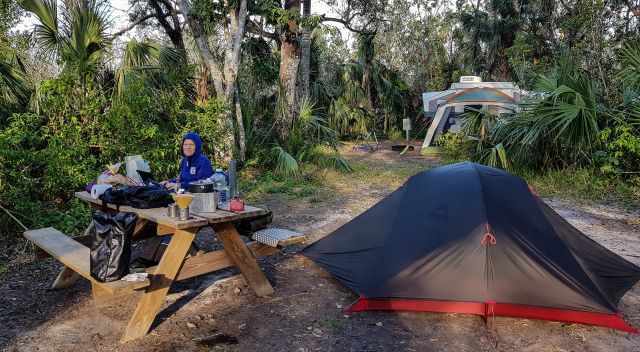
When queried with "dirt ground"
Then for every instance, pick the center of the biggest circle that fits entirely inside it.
(306, 312)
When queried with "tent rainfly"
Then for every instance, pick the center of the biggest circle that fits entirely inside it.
(467, 238)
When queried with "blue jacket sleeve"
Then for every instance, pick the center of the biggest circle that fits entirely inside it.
(175, 179)
(205, 170)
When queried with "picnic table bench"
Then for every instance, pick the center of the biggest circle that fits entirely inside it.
(175, 264)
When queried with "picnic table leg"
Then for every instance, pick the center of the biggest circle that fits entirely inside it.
(243, 258)
(161, 281)
(66, 278)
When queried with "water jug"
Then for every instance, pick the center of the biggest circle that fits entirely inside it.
(221, 185)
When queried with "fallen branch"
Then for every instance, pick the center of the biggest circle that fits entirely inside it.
(13, 217)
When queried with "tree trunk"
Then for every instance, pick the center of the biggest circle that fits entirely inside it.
(305, 61)
(202, 83)
(366, 52)
(234, 34)
(242, 144)
(289, 62)
(476, 37)
(224, 79)
(204, 52)
(174, 32)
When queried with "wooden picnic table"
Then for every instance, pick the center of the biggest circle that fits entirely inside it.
(176, 264)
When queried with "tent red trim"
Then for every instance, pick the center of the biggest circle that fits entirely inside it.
(489, 309)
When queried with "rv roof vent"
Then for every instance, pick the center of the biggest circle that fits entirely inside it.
(470, 79)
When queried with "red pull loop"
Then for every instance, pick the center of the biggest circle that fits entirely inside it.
(488, 238)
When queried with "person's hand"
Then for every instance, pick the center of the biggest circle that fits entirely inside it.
(171, 186)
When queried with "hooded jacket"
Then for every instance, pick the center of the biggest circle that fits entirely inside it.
(196, 167)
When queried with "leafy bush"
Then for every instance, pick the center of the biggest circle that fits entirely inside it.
(455, 147)
(311, 140)
(622, 149)
(395, 134)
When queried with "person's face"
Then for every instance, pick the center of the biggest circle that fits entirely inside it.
(188, 147)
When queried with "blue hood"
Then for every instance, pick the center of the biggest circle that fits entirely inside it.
(196, 167)
(196, 140)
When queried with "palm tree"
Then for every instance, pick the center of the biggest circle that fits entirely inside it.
(630, 62)
(559, 129)
(310, 140)
(76, 37)
(14, 88)
(158, 66)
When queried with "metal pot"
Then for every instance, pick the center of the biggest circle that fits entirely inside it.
(201, 187)
(204, 202)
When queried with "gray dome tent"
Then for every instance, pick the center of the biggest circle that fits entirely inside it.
(467, 238)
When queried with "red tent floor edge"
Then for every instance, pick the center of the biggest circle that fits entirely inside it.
(489, 309)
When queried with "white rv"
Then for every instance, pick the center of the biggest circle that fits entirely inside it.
(445, 106)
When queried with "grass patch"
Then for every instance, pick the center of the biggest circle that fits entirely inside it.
(254, 185)
(584, 185)
(377, 174)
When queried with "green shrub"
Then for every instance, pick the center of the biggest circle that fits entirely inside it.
(622, 149)
(395, 134)
(454, 147)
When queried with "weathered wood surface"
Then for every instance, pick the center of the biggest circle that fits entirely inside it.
(209, 262)
(220, 215)
(243, 259)
(157, 215)
(66, 278)
(75, 256)
(161, 281)
(292, 240)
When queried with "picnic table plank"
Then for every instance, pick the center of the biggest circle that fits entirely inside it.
(221, 215)
(243, 258)
(75, 256)
(157, 215)
(207, 263)
(161, 281)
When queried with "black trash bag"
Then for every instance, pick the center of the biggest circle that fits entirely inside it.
(111, 245)
(141, 197)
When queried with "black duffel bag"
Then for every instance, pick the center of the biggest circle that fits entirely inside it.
(141, 197)
(111, 245)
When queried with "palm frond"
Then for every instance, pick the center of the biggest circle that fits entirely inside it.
(630, 61)
(286, 164)
(14, 89)
(150, 62)
(47, 30)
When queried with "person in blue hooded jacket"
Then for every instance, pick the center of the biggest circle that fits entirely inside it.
(194, 166)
